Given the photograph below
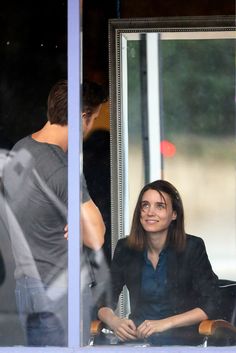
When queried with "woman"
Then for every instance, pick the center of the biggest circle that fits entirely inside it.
(170, 280)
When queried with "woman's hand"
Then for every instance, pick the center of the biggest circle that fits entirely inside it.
(124, 329)
(191, 317)
(148, 327)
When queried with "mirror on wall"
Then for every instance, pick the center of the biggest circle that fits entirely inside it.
(172, 99)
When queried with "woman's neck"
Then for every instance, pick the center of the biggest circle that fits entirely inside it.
(156, 242)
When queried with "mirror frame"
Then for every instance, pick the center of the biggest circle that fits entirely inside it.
(118, 27)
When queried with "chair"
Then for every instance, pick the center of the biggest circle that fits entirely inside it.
(220, 332)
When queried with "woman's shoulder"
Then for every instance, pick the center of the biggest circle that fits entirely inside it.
(193, 238)
(121, 252)
(122, 243)
(122, 247)
(193, 241)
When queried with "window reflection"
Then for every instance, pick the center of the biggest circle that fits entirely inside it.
(40, 300)
(183, 72)
(199, 120)
(197, 143)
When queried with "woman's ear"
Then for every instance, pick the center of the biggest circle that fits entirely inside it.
(174, 215)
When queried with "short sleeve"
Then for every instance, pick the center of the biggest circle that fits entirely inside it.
(85, 194)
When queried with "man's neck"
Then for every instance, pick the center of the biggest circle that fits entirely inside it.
(53, 134)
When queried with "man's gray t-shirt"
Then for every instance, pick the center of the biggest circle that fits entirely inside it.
(38, 215)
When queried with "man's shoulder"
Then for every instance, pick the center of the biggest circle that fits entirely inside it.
(22, 143)
(42, 152)
(33, 147)
(49, 160)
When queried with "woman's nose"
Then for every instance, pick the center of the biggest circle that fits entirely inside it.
(152, 209)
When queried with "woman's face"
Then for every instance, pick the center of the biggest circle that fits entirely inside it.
(156, 211)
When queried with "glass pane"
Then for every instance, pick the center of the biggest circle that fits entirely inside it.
(199, 130)
(198, 136)
(195, 86)
(136, 123)
(34, 249)
(33, 58)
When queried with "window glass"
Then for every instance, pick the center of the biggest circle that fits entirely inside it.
(33, 57)
(198, 115)
(197, 142)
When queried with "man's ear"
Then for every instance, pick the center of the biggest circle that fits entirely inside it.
(86, 119)
(83, 116)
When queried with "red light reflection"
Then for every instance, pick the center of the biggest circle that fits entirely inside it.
(168, 149)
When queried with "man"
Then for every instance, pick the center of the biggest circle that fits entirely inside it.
(42, 298)
(91, 220)
(90, 223)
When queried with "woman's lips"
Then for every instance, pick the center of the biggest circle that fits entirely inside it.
(152, 221)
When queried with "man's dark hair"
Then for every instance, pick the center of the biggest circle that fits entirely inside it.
(94, 94)
(57, 103)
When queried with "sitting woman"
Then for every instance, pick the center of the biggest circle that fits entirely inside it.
(171, 283)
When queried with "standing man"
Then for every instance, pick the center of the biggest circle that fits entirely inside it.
(41, 292)
(93, 96)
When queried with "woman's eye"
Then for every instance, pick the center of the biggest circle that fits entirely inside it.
(145, 206)
(160, 206)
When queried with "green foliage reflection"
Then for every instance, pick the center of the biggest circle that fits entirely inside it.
(198, 82)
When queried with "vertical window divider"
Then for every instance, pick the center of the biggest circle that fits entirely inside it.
(74, 169)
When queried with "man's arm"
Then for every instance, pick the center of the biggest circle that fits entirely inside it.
(92, 225)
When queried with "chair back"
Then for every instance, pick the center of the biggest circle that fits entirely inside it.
(228, 300)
